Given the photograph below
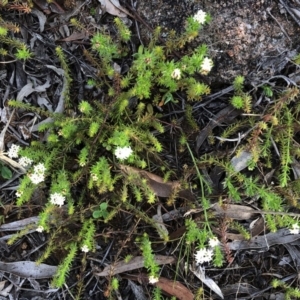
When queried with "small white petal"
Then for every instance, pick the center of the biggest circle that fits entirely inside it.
(36, 178)
(203, 255)
(19, 193)
(57, 199)
(200, 16)
(13, 151)
(213, 242)
(39, 168)
(25, 161)
(123, 152)
(85, 248)
(295, 229)
(176, 74)
(153, 279)
(40, 229)
(206, 66)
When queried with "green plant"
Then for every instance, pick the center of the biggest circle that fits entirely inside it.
(5, 172)
(82, 150)
(149, 258)
(23, 53)
(289, 292)
(101, 212)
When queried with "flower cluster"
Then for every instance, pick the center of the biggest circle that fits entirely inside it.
(200, 16)
(39, 174)
(57, 199)
(206, 66)
(13, 151)
(206, 254)
(213, 242)
(295, 229)
(25, 161)
(123, 152)
(203, 255)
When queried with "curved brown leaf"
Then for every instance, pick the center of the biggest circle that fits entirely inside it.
(157, 183)
(174, 288)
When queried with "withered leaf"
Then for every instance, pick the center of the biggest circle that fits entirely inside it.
(157, 184)
(135, 263)
(113, 7)
(174, 288)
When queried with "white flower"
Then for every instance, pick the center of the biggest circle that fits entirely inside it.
(176, 74)
(57, 199)
(13, 151)
(39, 169)
(153, 279)
(85, 248)
(206, 65)
(123, 152)
(94, 177)
(200, 16)
(295, 229)
(40, 229)
(25, 161)
(213, 242)
(36, 178)
(203, 255)
(19, 193)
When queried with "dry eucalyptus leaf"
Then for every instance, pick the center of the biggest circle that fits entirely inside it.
(174, 288)
(233, 211)
(137, 290)
(60, 105)
(42, 18)
(29, 89)
(6, 291)
(28, 269)
(75, 36)
(160, 223)
(13, 164)
(113, 7)
(4, 113)
(200, 273)
(135, 263)
(257, 226)
(19, 225)
(240, 161)
(282, 236)
(2, 284)
(2, 134)
(157, 184)
(296, 168)
(239, 288)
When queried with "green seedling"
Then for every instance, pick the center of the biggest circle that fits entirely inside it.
(101, 212)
